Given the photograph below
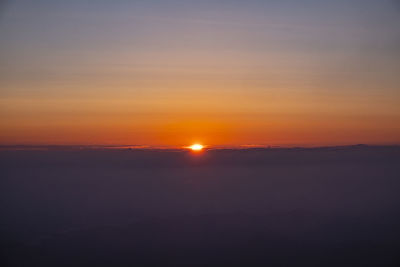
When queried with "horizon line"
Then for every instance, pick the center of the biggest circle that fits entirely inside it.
(180, 148)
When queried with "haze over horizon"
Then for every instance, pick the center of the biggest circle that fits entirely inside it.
(221, 73)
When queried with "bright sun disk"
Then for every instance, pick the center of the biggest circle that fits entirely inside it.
(196, 147)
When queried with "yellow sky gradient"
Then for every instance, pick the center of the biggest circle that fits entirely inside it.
(209, 118)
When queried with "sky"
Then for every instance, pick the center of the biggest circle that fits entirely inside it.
(220, 73)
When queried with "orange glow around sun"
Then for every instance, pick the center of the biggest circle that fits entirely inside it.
(196, 147)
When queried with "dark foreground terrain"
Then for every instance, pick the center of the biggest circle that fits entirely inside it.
(258, 207)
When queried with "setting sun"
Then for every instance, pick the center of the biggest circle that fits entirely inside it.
(196, 147)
